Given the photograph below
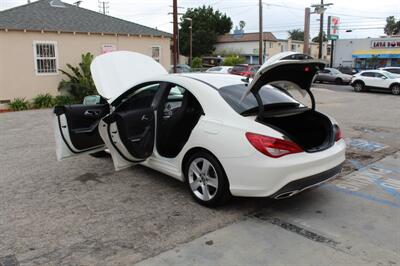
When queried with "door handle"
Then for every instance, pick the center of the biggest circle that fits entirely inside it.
(145, 118)
(91, 112)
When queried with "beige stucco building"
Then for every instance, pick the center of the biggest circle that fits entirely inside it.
(33, 49)
(247, 45)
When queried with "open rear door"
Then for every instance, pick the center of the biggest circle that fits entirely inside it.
(129, 135)
(76, 129)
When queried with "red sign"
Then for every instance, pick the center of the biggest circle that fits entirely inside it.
(385, 44)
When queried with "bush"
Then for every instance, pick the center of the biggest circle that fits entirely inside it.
(43, 101)
(63, 100)
(234, 60)
(197, 62)
(19, 104)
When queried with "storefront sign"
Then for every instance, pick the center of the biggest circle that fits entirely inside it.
(333, 28)
(385, 44)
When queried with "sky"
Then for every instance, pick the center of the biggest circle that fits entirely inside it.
(366, 18)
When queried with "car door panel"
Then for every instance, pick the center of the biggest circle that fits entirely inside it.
(76, 129)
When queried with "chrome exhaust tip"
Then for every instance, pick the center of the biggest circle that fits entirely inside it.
(288, 194)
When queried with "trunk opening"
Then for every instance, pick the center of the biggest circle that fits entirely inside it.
(311, 130)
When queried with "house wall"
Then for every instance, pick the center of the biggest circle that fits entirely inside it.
(272, 48)
(17, 66)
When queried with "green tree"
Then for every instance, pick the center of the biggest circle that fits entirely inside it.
(324, 38)
(207, 25)
(233, 60)
(392, 26)
(296, 34)
(80, 83)
(197, 62)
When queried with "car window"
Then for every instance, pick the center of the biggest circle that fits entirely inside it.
(379, 75)
(335, 71)
(141, 98)
(368, 74)
(325, 71)
(393, 70)
(389, 75)
(269, 95)
(215, 69)
(239, 68)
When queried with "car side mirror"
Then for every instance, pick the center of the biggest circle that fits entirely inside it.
(384, 77)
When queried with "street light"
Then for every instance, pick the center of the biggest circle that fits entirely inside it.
(190, 40)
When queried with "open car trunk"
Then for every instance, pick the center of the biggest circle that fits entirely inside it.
(311, 130)
(308, 128)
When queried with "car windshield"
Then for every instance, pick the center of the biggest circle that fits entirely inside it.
(389, 75)
(269, 95)
(335, 71)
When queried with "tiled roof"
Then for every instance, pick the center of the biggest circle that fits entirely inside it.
(246, 37)
(54, 15)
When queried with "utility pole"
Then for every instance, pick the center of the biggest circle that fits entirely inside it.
(260, 44)
(321, 28)
(175, 33)
(190, 40)
(306, 46)
(103, 7)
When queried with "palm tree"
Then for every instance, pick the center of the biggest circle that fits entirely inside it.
(80, 83)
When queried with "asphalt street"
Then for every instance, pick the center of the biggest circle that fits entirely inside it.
(80, 212)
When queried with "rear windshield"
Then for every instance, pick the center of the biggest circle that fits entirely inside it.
(269, 95)
(239, 68)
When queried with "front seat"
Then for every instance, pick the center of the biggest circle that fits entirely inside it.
(175, 131)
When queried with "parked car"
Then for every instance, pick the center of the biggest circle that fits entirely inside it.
(347, 70)
(376, 80)
(332, 75)
(207, 130)
(393, 70)
(245, 70)
(220, 69)
(181, 68)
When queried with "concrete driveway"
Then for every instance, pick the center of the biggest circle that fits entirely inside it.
(81, 212)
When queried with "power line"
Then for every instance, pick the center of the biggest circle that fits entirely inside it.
(104, 6)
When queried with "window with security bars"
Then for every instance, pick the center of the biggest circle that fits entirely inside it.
(45, 58)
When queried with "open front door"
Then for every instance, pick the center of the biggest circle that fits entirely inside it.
(76, 129)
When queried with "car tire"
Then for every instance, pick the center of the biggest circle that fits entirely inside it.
(100, 154)
(206, 180)
(338, 81)
(395, 88)
(358, 86)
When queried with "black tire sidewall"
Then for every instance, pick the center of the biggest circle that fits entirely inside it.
(358, 83)
(223, 192)
(338, 81)
(392, 89)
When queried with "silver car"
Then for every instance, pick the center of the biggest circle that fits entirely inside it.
(332, 75)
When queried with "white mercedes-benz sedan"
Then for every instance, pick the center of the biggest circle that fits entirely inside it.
(222, 134)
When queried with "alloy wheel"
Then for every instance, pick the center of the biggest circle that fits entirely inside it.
(358, 87)
(396, 89)
(203, 179)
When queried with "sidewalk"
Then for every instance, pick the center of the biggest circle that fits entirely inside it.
(351, 221)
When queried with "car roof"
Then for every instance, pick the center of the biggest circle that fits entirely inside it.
(216, 80)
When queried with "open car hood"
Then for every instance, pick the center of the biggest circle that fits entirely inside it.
(116, 72)
(288, 69)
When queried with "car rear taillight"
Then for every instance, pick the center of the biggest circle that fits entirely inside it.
(338, 133)
(272, 147)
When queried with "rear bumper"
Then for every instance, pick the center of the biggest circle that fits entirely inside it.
(260, 176)
(302, 184)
